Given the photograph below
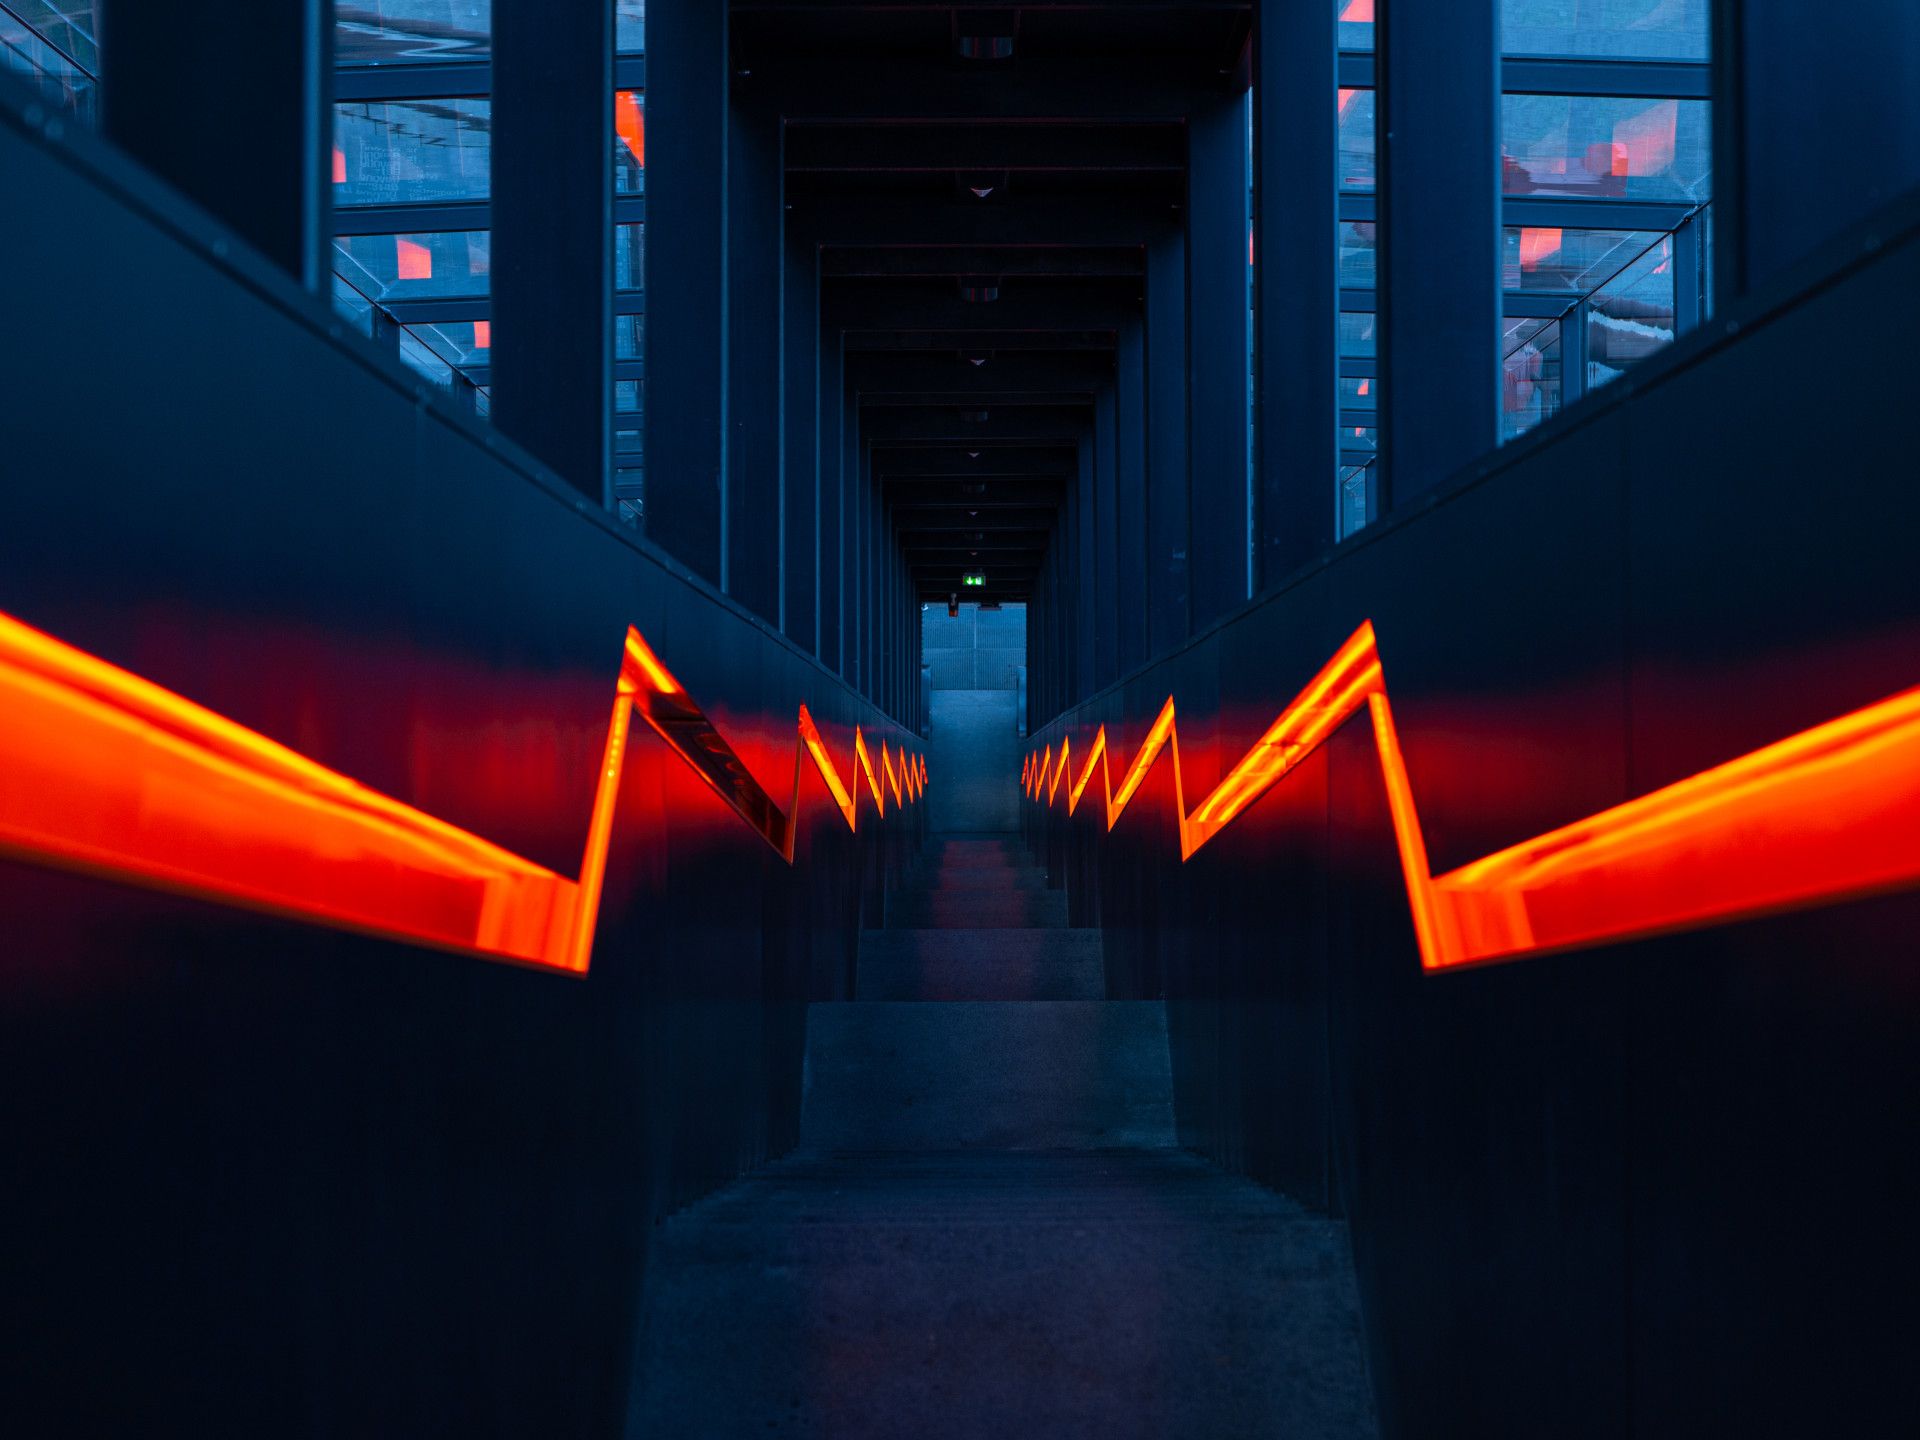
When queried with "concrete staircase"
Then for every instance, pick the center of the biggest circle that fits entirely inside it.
(988, 1228)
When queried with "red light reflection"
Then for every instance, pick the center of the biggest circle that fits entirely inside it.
(1823, 815)
(104, 772)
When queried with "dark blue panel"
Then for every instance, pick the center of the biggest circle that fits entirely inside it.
(802, 485)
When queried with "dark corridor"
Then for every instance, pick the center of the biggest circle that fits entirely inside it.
(1089, 717)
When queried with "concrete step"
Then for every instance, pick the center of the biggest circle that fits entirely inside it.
(943, 909)
(1086, 1296)
(980, 877)
(1044, 1075)
(981, 964)
(977, 852)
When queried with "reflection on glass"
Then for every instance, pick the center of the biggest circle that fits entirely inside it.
(1356, 334)
(52, 48)
(1605, 146)
(417, 357)
(69, 28)
(1616, 29)
(630, 147)
(1631, 316)
(1568, 262)
(629, 335)
(1359, 438)
(1356, 24)
(1356, 255)
(630, 26)
(353, 307)
(458, 342)
(412, 267)
(393, 152)
(386, 32)
(629, 398)
(1356, 499)
(1530, 374)
(1356, 140)
(1359, 393)
(629, 257)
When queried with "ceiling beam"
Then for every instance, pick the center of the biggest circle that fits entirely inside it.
(921, 88)
(890, 221)
(985, 147)
(899, 425)
(1066, 261)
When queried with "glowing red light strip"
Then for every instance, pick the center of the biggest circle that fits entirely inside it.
(1830, 813)
(104, 772)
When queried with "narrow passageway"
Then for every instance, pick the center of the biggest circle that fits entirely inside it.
(989, 1228)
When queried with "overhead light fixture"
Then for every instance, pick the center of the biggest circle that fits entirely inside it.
(973, 454)
(980, 192)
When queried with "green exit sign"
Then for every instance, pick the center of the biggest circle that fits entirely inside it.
(974, 579)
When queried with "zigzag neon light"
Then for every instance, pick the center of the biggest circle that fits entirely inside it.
(104, 772)
(1828, 814)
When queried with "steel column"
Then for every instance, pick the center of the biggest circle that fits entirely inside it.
(686, 333)
(1169, 515)
(1217, 320)
(1296, 284)
(1439, 182)
(552, 267)
(231, 105)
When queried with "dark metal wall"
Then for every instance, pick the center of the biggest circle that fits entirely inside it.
(1656, 1189)
(266, 1179)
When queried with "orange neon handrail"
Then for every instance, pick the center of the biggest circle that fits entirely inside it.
(1827, 814)
(107, 773)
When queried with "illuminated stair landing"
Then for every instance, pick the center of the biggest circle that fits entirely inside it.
(988, 1229)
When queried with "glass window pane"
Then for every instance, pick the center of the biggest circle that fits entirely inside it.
(403, 152)
(1356, 255)
(353, 307)
(630, 27)
(1356, 334)
(1359, 438)
(1632, 316)
(34, 45)
(413, 267)
(1356, 482)
(385, 32)
(1356, 140)
(417, 357)
(458, 342)
(1356, 24)
(67, 27)
(1605, 146)
(629, 335)
(630, 143)
(1617, 29)
(629, 257)
(1569, 262)
(1361, 393)
(1530, 375)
